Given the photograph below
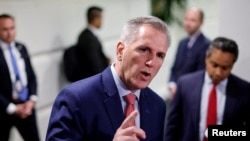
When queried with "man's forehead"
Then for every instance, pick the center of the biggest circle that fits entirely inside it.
(221, 57)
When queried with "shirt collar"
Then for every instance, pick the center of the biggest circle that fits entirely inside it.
(193, 38)
(5, 45)
(94, 30)
(195, 35)
(122, 89)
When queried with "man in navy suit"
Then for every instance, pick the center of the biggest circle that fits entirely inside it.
(93, 109)
(192, 109)
(89, 49)
(18, 86)
(191, 50)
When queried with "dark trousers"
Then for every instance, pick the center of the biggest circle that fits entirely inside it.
(26, 127)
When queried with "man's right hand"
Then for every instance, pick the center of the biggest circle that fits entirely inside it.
(20, 111)
(172, 91)
(129, 133)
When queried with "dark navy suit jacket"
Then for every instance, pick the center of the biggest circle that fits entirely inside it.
(189, 60)
(184, 115)
(5, 80)
(91, 110)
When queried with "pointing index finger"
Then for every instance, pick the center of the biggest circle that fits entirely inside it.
(129, 120)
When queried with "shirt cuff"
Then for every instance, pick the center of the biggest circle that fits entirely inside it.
(34, 98)
(11, 109)
(172, 84)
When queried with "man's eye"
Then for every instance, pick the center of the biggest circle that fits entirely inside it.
(162, 56)
(224, 68)
(214, 65)
(144, 49)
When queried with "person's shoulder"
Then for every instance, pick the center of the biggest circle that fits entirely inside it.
(86, 30)
(182, 40)
(153, 96)
(20, 44)
(84, 87)
(206, 39)
(239, 81)
(86, 33)
(79, 92)
(192, 76)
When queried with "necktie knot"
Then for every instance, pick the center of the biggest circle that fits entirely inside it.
(9, 47)
(130, 99)
(213, 91)
(214, 86)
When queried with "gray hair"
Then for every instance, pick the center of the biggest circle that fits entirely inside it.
(130, 29)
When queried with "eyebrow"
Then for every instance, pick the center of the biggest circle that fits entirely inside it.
(219, 64)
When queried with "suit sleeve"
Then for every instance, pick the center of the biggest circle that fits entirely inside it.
(173, 69)
(3, 102)
(31, 76)
(65, 123)
(174, 117)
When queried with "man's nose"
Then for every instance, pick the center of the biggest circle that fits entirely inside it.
(150, 60)
(218, 71)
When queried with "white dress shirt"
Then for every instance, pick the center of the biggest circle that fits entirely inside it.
(22, 71)
(123, 91)
(94, 30)
(221, 100)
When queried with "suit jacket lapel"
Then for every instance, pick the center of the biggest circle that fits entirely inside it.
(4, 65)
(112, 102)
(197, 43)
(230, 101)
(20, 48)
(183, 51)
(145, 111)
(195, 97)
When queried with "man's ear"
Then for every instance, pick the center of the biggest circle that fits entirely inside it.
(120, 50)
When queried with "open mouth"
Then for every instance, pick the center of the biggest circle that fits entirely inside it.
(146, 75)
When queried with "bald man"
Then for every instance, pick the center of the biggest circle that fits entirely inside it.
(191, 50)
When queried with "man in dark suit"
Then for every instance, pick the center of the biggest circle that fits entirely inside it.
(98, 108)
(18, 85)
(210, 97)
(89, 48)
(191, 50)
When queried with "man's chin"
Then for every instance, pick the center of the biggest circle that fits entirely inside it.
(216, 81)
(143, 85)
